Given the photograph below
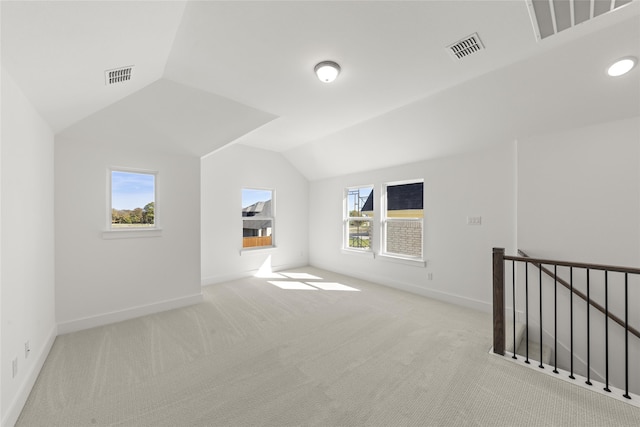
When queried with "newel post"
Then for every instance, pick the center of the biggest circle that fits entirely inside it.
(498, 301)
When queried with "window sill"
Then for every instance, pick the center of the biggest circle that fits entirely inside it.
(132, 233)
(363, 253)
(400, 260)
(258, 249)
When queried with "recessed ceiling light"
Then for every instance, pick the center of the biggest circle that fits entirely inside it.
(327, 71)
(622, 66)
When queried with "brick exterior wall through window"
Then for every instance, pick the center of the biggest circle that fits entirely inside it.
(404, 238)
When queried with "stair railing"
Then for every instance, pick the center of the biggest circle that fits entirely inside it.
(499, 314)
(580, 294)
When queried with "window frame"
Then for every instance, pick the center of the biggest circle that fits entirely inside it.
(271, 218)
(347, 218)
(385, 220)
(130, 232)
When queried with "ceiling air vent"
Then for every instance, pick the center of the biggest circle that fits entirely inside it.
(118, 75)
(549, 17)
(465, 47)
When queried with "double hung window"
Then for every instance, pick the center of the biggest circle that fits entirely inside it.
(402, 221)
(257, 218)
(358, 218)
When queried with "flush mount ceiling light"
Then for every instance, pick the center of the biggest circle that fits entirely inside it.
(327, 71)
(622, 66)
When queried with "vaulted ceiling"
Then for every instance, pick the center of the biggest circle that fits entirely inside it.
(212, 73)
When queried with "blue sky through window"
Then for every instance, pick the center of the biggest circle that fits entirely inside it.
(130, 190)
(251, 196)
(357, 197)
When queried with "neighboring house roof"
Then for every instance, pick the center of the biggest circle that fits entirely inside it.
(405, 196)
(368, 205)
(258, 209)
(400, 197)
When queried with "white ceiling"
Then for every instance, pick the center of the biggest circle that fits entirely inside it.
(58, 51)
(211, 73)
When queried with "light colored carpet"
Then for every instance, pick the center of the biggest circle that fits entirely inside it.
(254, 354)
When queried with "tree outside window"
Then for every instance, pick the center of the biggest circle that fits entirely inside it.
(133, 199)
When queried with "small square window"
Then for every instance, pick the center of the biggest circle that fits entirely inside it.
(257, 218)
(133, 200)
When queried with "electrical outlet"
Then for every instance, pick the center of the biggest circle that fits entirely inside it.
(14, 367)
(27, 349)
(430, 276)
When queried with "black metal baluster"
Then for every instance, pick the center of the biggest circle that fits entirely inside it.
(555, 319)
(588, 381)
(526, 309)
(571, 318)
(540, 294)
(606, 330)
(513, 295)
(626, 336)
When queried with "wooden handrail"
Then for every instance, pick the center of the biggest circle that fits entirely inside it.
(499, 325)
(615, 268)
(538, 263)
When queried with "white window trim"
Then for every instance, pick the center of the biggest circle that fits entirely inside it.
(246, 251)
(132, 232)
(345, 223)
(272, 218)
(391, 256)
(364, 252)
(416, 262)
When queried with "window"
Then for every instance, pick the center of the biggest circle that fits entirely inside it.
(133, 199)
(358, 219)
(257, 218)
(402, 222)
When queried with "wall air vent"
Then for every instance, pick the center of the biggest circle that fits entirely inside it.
(549, 17)
(465, 47)
(118, 75)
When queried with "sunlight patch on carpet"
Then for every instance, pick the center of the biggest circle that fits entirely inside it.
(301, 276)
(282, 284)
(265, 271)
(333, 286)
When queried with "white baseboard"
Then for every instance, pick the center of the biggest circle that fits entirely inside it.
(11, 414)
(415, 289)
(126, 314)
(214, 280)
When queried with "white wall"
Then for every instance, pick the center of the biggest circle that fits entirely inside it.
(27, 246)
(458, 255)
(224, 174)
(579, 200)
(101, 280)
(572, 195)
(579, 193)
